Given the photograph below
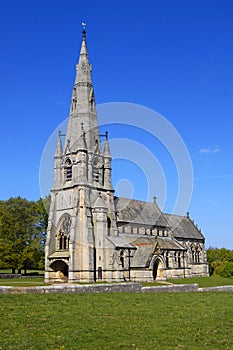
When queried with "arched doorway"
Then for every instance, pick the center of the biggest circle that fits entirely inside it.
(157, 270)
(61, 271)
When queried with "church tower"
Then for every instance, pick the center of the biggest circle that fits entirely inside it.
(82, 216)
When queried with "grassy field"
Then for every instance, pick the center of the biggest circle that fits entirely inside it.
(22, 282)
(117, 321)
(204, 281)
(201, 281)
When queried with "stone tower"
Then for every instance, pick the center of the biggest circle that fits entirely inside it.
(82, 216)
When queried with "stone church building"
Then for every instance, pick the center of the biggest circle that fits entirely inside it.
(93, 235)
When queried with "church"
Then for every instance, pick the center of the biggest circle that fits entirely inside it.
(93, 235)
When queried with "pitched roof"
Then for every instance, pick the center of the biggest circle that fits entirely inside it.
(120, 243)
(183, 227)
(169, 243)
(139, 212)
(145, 247)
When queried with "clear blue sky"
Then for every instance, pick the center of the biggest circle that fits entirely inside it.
(175, 57)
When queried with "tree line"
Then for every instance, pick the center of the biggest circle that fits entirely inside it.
(23, 227)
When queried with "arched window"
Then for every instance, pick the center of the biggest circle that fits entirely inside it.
(63, 232)
(68, 169)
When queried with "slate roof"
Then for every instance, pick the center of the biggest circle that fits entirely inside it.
(145, 246)
(183, 227)
(169, 243)
(118, 242)
(139, 212)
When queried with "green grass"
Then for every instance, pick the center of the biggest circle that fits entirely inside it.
(140, 321)
(22, 282)
(201, 281)
(204, 281)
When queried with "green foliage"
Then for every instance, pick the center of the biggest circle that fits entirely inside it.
(162, 321)
(227, 270)
(22, 233)
(217, 259)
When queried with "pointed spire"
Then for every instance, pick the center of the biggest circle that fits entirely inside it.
(83, 103)
(106, 147)
(59, 151)
(83, 52)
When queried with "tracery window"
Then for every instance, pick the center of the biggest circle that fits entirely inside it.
(196, 254)
(63, 232)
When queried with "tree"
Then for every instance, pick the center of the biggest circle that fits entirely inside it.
(20, 234)
(43, 205)
(227, 270)
(218, 259)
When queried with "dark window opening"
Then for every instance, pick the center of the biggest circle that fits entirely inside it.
(100, 273)
(167, 260)
(63, 242)
(68, 170)
(109, 225)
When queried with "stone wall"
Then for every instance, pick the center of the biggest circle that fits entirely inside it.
(172, 288)
(10, 275)
(74, 288)
(110, 288)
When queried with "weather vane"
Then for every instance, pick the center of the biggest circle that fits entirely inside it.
(84, 25)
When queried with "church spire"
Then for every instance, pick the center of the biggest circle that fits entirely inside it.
(83, 108)
(83, 51)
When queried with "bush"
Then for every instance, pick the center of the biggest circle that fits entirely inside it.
(227, 270)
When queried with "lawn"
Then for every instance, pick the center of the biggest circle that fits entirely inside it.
(204, 281)
(117, 321)
(22, 282)
(201, 281)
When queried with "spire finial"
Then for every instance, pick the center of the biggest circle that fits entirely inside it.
(84, 30)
